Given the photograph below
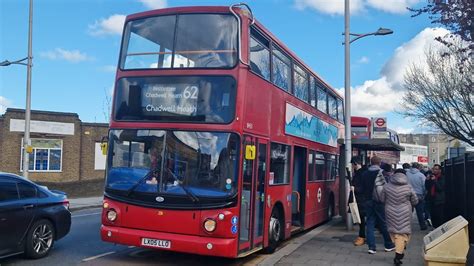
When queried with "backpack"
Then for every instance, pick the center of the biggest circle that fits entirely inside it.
(378, 187)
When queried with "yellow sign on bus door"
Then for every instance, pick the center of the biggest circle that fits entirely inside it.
(250, 151)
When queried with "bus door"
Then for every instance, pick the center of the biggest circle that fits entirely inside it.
(253, 193)
(299, 187)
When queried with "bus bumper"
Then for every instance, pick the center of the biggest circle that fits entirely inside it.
(210, 246)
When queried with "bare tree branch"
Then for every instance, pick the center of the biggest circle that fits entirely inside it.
(442, 93)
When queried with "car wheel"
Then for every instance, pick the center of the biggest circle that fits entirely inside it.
(40, 239)
(275, 231)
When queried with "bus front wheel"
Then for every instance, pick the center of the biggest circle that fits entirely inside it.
(275, 230)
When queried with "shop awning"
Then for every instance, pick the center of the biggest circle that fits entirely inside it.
(374, 144)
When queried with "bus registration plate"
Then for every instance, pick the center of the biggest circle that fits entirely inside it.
(156, 243)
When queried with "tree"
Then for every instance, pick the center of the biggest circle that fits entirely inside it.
(441, 95)
(456, 16)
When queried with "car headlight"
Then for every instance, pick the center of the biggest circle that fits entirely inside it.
(210, 225)
(111, 215)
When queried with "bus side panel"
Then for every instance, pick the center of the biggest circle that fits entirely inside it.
(314, 207)
(257, 105)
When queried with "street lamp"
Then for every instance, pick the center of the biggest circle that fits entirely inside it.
(347, 92)
(29, 65)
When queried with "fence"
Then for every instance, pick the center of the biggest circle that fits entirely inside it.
(459, 174)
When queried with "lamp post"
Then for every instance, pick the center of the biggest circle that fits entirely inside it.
(347, 92)
(29, 65)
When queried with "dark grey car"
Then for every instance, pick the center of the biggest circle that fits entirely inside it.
(31, 217)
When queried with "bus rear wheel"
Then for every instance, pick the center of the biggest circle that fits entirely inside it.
(275, 230)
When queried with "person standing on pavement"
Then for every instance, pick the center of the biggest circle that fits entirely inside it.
(399, 199)
(357, 183)
(387, 171)
(417, 181)
(436, 192)
(372, 179)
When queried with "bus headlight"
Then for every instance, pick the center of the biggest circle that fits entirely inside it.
(111, 215)
(210, 225)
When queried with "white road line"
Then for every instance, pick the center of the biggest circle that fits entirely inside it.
(88, 214)
(98, 256)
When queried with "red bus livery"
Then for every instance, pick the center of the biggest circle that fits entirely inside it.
(222, 142)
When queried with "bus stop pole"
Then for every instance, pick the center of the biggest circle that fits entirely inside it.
(347, 118)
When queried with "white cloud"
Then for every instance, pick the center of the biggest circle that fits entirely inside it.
(154, 4)
(73, 56)
(336, 7)
(377, 97)
(4, 104)
(392, 6)
(411, 52)
(374, 97)
(108, 26)
(403, 130)
(363, 60)
(332, 7)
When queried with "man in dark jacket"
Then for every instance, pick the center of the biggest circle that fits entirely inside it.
(374, 209)
(436, 193)
(358, 170)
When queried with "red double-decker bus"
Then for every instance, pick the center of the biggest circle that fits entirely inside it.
(222, 142)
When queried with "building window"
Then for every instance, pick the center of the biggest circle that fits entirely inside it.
(46, 155)
(433, 139)
(433, 150)
(99, 158)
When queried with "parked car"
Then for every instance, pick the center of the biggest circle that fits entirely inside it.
(32, 217)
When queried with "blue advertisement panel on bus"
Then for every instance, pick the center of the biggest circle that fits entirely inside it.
(304, 125)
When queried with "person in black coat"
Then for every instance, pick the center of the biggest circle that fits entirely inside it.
(436, 194)
(358, 169)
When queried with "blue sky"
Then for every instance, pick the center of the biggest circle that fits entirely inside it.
(76, 45)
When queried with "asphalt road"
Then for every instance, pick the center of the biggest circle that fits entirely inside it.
(83, 246)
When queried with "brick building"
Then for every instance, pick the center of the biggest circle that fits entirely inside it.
(65, 149)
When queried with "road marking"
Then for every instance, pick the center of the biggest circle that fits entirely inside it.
(89, 214)
(98, 256)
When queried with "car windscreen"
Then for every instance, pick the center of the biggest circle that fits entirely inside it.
(180, 41)
(198, 99)
(145, 164)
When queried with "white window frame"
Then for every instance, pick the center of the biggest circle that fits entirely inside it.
(34, 157)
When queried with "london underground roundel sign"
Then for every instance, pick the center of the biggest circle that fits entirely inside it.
(380, 122)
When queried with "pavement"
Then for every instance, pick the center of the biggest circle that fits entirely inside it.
(85, 203)
(328, 244)
(331, 244)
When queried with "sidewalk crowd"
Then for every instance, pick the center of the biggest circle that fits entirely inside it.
(386, 199)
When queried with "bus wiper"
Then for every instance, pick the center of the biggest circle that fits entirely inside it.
(130, 190)
(188, 192)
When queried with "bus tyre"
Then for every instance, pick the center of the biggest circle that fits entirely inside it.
(40, 239)
(275, 231)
